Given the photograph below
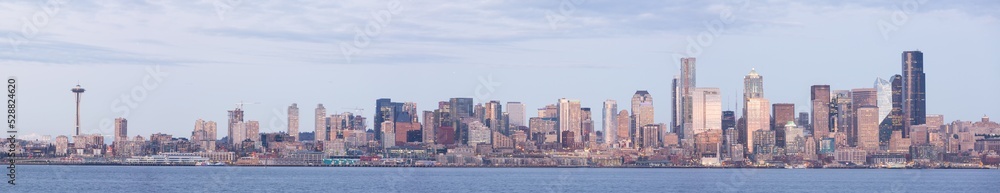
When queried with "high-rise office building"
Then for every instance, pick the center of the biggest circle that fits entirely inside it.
(914, 96)
(729, 122)
(867, 120)
(429, 127)
(883, 92)
(753, 87)
(891, 99)
(642, 108)
(492, 117)
(758, 118)
(78, 91)
(570, 119)
(236, 127)
(843, 116)
(609, 118)
(384, 111)
(586, 125)
(820, 98)
(706, 111)
(320, 133)
(685, 106)
(121, 130)
(861, 97)
(515, 110)
(624, 127)
(460, 108)
(674, 103)
(803, 120)
(204, 134)
(783, 113)
(293, 121)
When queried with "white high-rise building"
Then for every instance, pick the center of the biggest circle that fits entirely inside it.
(515, 113)
(320, 132)
(884, 101)
(707, 110)
(570, 118)
(610, 120)
(293, 121)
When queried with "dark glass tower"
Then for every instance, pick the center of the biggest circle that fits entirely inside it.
(914, 98)
(894, 121)
(729, 121)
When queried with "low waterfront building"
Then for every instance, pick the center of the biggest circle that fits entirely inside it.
(166, 159)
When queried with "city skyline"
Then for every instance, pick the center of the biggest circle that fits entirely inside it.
(612, 67)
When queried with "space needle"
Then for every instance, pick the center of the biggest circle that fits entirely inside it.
(78, 90)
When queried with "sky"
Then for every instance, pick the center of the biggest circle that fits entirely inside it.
(164, 64)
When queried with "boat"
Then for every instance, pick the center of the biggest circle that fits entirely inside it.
(895, 166)
(800, 166)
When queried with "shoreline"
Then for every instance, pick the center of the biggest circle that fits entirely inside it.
(501, 167)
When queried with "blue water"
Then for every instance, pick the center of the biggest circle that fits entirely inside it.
(315, 179)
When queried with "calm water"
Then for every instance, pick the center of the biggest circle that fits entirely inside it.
(301, 179)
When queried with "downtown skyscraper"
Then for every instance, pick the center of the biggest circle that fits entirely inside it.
(754, 114)
(820, 98)
(293, 121)
(890, 104)
(570, 120)
(320, 134)
(515, 113)
(609, 118)
(707, 111)
(914, 96)
(121, 130)
(236, 128)
(682, 99)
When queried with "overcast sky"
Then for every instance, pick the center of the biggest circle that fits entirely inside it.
(164, 64)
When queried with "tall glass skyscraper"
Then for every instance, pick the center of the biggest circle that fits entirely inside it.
(914, 96)
(707, 111)
(609, 119)
(686, 85)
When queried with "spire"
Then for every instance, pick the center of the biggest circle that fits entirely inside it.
(753, 73)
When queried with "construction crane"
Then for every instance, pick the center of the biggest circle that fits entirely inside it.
(357, 110)
(240, 104)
